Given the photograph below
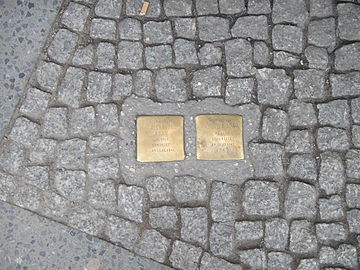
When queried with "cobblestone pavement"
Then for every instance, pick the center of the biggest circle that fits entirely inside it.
(290, 67)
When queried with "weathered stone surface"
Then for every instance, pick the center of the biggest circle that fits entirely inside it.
(205, 7)
(170, 85)
(222, 239)
(133, 8)
(355, 134)
(259, 7)
(194, 225)
(123, 85)
(223, 202)
(28, 197)
(255, 27)
(122, 231)
(130, 55)
(12, 157)
(309, 264)
(130, 29)
(105, 54)
(213, 28)
(158, 56)
(184, 256)
(284, 59)
(254, 258)
(238, 54)
(301, 114)
(287, 38)
(247, 231)
(37, 176)
(331, 209)
(42, 151)
(209, 262)
(70, 184)
(153, 245)
(302, 237)
(279, 261)
(349, 21)
(207, 82)
(102, 144)
(163, 218)
(82, 121)
(239, 91)
(290, 11)
(185, 52)
(63, 45)
(309, 84)
(157, 32)
(107, 117)
(210, 54)
(24, 131)
(109, 8)
(185, 27)
(330, 232)
(317, 57)
(332, 139)
(261, 198)
(103, 168)
(303, 167)
(143, 83)
(159, 189)
(102, 194)
(261, 53)
(87, 219)
(275, 126)
(267, 159)
(35, 103)
(344, 256)
(299, 141)
(332, 173)
(55, 123)
(355, 110)
(276, 233)
(103, 29)
(71, 154)
(70, 88)
(178, 8)
(352, 195)
(346, 57)
(335, 113)
(55, 206)
(353, 163)
(83, 55)
(274, 86)
(321, 8)
(345, 84)
(353, 219)
(75, 16)
(99, 87)
(232, 6)
(47, 75)
(131, 202)
(321, 33)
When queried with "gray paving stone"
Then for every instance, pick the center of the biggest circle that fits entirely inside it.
(261, 198)
(232, 6)
(123, 85)
(332, 173)
(254, 258)
(102, 144)
(131, 203)
(301, 114)
(261, 53)
(279, 261)
(159, 189)
(290, 11)
(103, 29)
(274, 86)
(209, 262)
(70, 89)
(71, 154)
(309, 264)
(222, 239)
(345, 84)
(42, 151)
(70, 184)
(355, 134)
(238, 54)
(355, 110)
(276, 233)
(346, 56)
(103, 168)
(28, 197)
(37, 176)
(99, 87)
(303, 167)
(287, 38)
(178, 8)
(185, 256)
(24, 131)
(302, 237)
(105, 54)
(157, 32)
(207, 82)
(239, 91)
(62, 46)
(83, 55)
(275, 125)
(75, 16)
(12, 157)
(348, 22)
(194, 225)
(102, 194)
(327, 255)
(109, 8)
(331, 208)
(284, 59)
(321, 8)
(267, 159)
(259, 7)
(335, 113)
(332, 139)
(122, 231)
(247, 231)
(300, 201)
(47, 75)
(143, 83)
(133, 7)
(87, 219)
(352, 195)
(107, 117)
(309, 84)
(82, 121)
(317, 57)
(213, 28)
(153, 245)
(35, 103)
(206, 7)
(353, 219)
(158, 56)
(55, 206)
(321, 33)
(130, 55)
(170, 85)
(299, 141)
(130, 29)
(330, 232)
(55, 123)
(185, 27)
(255, 27)
(209, 54)
(223, 202)
(344, 256)
(164, 219)
(189, 189)
(185, 52)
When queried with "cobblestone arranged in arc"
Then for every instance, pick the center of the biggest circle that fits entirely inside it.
(291, 65)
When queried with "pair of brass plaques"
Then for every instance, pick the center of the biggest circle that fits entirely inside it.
(161, 138)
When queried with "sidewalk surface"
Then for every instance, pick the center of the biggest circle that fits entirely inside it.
(291, 68)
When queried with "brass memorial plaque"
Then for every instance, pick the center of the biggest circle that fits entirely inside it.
(160, 138)
(219, 137)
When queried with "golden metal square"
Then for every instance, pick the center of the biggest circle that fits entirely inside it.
(219, 137)
(160, 138)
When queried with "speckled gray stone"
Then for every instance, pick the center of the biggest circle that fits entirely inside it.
(71, 154)
(70, 184)
(232, 6)
(178, 8)
(290, 11)
(238, 54)
(279, 261)
(332, 173)
(103, 29)
(103, 168)
(82, 121)
(157, 32)
(209, 262)
(184, 256)
(105, 54)
(170, 85)
(75, 16)
(102, 144)
(207, 82)
(255, 27)
(302, 237)
(345, 57)
(130, 55)
(301, 114)
(321, 8)
(330, 232)
(332, 139)
(275, 125)
(355, 110)
(55, 123)
(7, 186)
(284, 59)
(303, 167)
(194, 227)
(335, 113)
(47, 75)
(247, 231)
(83, 55)
(331, 209)
(348, 22)
(122, 231)
(12, 156)
(131, 202)
(37, 176)
(276, 233)
(309, 264)
(353, 163)
(185, 52)
(258, 7)
(70, 89)
(27, 197)
(159, 189)
(35, 103)
(130, 29)
(261, 53)
(299, 141)
(287, 38)
(143, 83)
(345, 84)
(185, 27)
(317, 57)
(355, 134)
(353, 218)
(107, 117)
(352, 195)
(99, 87)
(87, 219)
(63, 45)
(223, 202)
(309, 84)
(239, 91)
(122, 88)
(158, 56)
(164, 219)
(108, 8)
(209, 54)
(24, 131)
(133, 7)
(254, 258)
(102, 194)
(213, 28)
(189, 189)
(321, 33)
(344, 255)
(221, 239)
(42, 151)
(205, 7)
